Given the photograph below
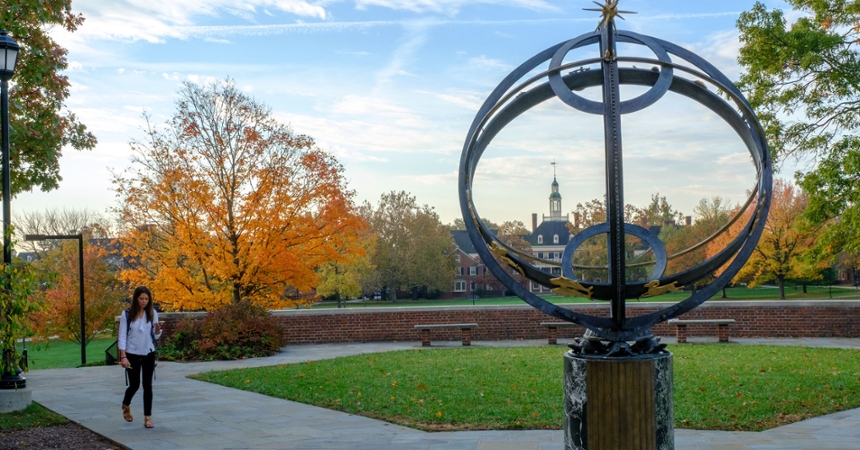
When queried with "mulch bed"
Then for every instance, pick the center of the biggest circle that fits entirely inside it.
(59, 437)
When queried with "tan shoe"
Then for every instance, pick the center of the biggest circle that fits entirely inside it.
(147, 422)
(126, 413)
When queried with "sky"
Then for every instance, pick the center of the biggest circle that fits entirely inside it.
(390, 87)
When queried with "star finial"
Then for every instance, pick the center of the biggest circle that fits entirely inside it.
(609, 11)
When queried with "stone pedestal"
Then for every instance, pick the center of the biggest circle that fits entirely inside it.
(15, 399)
(618, 403)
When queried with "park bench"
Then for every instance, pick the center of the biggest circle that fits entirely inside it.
(722, 328)
(552, 330)
(465, 329)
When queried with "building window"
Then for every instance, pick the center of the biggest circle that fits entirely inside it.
(540, 239)
(555, 239)
(459, 271)
(459, 286)
(473, 270)
(472, 286)
(458, 257)
(540, 255)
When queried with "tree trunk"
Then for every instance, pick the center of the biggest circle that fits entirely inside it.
(724, 293)
(804, 288)
(338, 300)
(236, 296)
(781, 282)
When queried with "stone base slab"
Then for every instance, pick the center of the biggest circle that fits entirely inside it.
(12, 400)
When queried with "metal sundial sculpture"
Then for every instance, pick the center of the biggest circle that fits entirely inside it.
(515, 96)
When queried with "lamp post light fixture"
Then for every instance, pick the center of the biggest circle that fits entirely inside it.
(8, 58)
(80, 238)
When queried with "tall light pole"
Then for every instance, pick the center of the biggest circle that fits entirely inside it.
(80, 238)
(8, 58)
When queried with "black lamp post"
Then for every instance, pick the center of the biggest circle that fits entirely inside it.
(8, 58)
(80, 238)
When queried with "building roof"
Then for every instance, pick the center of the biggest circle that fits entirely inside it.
(548, 229)
(461, 238)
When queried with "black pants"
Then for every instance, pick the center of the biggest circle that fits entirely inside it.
(145, 363)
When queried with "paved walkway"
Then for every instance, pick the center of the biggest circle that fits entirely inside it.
(190, 414)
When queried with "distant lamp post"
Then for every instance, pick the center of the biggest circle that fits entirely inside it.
(80, 238)
(8, 58)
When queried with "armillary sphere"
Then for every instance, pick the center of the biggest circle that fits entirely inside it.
(516, 95)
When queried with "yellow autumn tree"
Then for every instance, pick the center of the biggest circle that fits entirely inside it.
(225, 204)
(786, 237)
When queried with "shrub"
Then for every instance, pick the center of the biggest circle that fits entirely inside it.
(236, 331)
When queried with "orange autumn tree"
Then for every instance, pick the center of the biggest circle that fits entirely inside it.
(103, 293)
(225, 204)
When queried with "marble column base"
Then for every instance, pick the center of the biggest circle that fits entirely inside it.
(618, 403)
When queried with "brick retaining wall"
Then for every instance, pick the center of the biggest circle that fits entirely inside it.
(754, 319)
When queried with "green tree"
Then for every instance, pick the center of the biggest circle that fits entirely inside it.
(658, 212)
(591, 259)
(343, 279)
(803, 79)
(681, 242)
(412, 248)
(40, 125)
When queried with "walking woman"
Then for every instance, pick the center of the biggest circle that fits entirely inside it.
(138, 331)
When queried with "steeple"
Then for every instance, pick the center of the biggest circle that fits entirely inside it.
(555, 200)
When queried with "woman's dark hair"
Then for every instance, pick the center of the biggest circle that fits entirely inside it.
(135, 307)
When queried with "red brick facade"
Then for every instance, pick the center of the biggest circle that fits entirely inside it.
(754, 319)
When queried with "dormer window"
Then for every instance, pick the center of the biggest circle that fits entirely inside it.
(540, 239)
(555, 239)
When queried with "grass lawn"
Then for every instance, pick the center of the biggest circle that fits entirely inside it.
(34, 416)
(792, 292)
(58, 354)
(719, 387)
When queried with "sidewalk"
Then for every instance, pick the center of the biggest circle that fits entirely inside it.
(190, 414)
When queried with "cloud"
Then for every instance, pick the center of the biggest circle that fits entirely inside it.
(109, 120)
(469, 101)
(75, 66)
(450, 7)
(416, 36)
(155, 21)
(482, 62)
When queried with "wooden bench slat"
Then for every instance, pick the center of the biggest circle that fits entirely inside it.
(681, 327)
(465, 328)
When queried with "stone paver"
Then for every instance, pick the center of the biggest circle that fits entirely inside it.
(190, 414)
